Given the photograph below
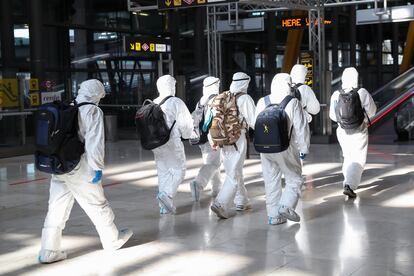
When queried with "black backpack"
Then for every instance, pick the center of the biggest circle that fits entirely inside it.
(296, 92)
(151, 124)
(199, 114)
(58, 147)
(348, 110)
(271, 131)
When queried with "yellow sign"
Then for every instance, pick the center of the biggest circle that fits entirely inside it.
(177, 3)
(168, 3)
(306, 59)
(34, 84)
(135, 46)
(34, 99)
(147, 45)
(201, 1)
(9, 93)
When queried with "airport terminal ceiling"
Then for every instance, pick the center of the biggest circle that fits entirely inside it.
(138, 5)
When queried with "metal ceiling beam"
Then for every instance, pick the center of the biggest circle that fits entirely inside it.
(268, 5)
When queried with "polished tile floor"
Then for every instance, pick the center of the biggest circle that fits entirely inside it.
(372, 235)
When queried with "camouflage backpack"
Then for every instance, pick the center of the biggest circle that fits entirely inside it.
(226, 125)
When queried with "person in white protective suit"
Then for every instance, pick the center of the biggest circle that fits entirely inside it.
(308, 99)
(210, 170)
(354, 142)
(280, 205)
(170, 157)
(83, 184)
(233, 157)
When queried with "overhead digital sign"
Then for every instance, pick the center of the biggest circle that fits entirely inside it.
(174, 4)
(298, 22)
(147, 45)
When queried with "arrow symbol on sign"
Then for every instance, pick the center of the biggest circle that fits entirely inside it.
(168, 2)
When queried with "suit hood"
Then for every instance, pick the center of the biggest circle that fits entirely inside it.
(298, 73)
(211, 86)
(91, 91)
(350, 78)
(281, 85)
(240, 83)
(166, 86)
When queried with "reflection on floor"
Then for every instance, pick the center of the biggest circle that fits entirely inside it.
(372, 235)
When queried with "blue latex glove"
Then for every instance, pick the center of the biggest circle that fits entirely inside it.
(302, 156)
(97, 178)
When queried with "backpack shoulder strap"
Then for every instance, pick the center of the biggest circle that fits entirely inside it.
(165, 99)
(239, 94)
(211, 96)
(363, 109)
(285, 101)
(267, 101)
(297, 85)
(147, 101)
(199, 105)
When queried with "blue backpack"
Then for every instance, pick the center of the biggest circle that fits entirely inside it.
(271, 131)
(58, 147)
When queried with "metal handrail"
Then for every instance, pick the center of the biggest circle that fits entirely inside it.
(16, 113)
(119, 105)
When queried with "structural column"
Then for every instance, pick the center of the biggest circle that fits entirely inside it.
(352, 36)
(335, 38)
(7, 39)
(394, 48)
(36, 47)
(378, 53)
(271, 49)
(173, 23)
(199, 40)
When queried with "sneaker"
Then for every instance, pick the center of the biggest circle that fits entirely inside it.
(195, 190)
(163, 211)
(243, 207)
(123, 236)
(289, 213)
(276, 220)
(215, 189)
(349, 192)
(50, 256)
(219, 210)
(214, 193)
(166, 202)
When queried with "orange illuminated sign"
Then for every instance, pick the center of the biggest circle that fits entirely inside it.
(300, 22)
(292, 22)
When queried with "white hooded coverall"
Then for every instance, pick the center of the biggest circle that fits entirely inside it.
(64, 189)
(286, 162)
(233, 159)
(170, 157)
(210, 170)
(354, 142)
(308, 99)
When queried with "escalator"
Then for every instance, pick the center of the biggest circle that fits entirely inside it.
(394, 120)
